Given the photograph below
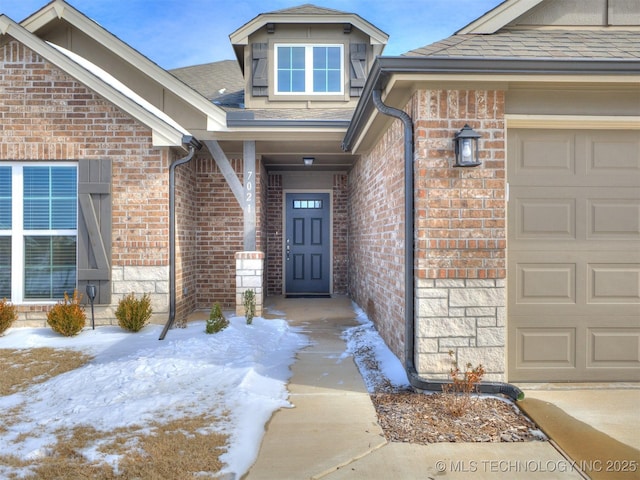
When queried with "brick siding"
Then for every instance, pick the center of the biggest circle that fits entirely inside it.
(220, 230)
(48, 116)
(274, 227)
(461, 234)
(460, 212)
(340, 234)
(376, 236)
(186, 239)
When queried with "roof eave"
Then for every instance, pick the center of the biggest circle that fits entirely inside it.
(241, 35)
(280, 123)
(385, 67)
(163, 134)
(59, 9)
(498, 17)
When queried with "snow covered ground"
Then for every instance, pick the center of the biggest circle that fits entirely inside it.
(135, 379)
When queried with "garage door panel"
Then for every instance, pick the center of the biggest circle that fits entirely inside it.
(551, 283)
(608, 347)
(546, 347)
(614, 283)
(555, 351)
(543, 153)
(613, 153)
(614, 218)
(571, 286)
(574, 158)
(573, 258)
(546, 218)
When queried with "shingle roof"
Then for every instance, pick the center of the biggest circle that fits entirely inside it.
(222, 83)
(569, 44)
(302, 113)
(308, 9)
(215, 80)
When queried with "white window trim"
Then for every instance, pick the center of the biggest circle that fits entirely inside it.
(17, 232)
(308, 69)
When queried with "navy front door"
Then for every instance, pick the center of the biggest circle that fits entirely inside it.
(307, 245)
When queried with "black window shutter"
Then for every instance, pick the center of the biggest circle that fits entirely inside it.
(260, 73)
(94, 228)
(358, 70)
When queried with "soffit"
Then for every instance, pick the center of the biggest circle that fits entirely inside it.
(285, 152)
(308, 14)
(400, 86)
(165, 132)
(60, 10)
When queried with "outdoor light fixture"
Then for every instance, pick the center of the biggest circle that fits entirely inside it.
(91, 293)
(308, 161)
(466, 144)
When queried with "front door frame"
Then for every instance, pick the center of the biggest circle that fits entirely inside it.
(284, 231)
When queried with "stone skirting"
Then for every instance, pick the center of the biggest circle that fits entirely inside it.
(463, 316)
(139, 280)
(249, 276)
(124, 280)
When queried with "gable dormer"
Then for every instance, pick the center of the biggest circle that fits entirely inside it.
(306, 57)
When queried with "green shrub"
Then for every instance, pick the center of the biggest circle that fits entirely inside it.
(67, 317)
(134, 313)
(8, 314)
(249, 303)
(217, 321)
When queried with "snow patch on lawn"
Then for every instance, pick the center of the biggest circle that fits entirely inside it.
(135, 379)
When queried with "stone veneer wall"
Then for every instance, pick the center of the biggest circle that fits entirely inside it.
(249, 276)
(49, 116)
(461, 234)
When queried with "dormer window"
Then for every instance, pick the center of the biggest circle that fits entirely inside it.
(309, 69)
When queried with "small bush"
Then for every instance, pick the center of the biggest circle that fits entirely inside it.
(217, 321)
(134, 313)
(67, 317)
(249, 303)
(463, 385)
(8, 315)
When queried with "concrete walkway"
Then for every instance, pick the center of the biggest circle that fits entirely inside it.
(333, 420)
(332, 432)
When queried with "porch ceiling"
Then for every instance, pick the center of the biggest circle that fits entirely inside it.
(288, 155)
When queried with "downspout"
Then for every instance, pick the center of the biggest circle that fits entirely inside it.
(415, 380)
(194, 145)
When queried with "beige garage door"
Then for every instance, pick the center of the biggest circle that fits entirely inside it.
(573, 255)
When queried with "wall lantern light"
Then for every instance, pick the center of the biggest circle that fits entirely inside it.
(308, 161)
(91, 293)
(466, 144)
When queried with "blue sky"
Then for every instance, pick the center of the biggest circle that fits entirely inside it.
(179, 33)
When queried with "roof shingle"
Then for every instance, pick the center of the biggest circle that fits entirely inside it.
(569, 44)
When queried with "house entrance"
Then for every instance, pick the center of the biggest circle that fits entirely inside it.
(307, 244)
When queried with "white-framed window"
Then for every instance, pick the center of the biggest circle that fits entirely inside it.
(309, 69)
(38, 231)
